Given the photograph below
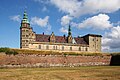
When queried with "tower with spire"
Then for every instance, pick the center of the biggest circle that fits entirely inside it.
(26, 33)
(69, 38)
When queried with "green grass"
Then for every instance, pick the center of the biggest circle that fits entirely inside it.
(66, 73)
(48, 52)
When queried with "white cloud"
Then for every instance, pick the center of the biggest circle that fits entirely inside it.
(96, 6)
(44, 9)
(63, 30)
(16, 18)
(39, 21)
(65, 20)
(100, 21)
(77, 8)
(67, 6)
(111, 40)
(42, 1)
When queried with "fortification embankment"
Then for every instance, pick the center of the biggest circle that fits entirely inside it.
(37, 60)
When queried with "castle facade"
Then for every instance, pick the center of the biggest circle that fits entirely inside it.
(30, 40)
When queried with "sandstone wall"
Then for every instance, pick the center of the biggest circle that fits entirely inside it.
(22, 60)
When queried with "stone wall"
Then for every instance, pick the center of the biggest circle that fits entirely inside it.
(22, 60)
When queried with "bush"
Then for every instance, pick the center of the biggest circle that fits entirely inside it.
(8, 51)
(115, 54)
(4, 49)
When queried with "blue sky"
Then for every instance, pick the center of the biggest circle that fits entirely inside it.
(85, 16)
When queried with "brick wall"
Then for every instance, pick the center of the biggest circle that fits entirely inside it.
(22, 60)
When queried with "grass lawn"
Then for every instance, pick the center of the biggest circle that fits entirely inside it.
(66, 73)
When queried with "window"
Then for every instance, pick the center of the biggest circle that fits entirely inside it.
(54, 47)
(26, 35)
(39, 46)
(62, 47)
(23, 35)
(26, 30)
(47, 47)
(86, 49)
(23, 40)
(26, 40)
(79, 48)
(71, 48)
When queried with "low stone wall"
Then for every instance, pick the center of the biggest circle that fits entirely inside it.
(25, 60)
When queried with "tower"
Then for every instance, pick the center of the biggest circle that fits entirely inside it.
(26, 33)
(69, 35)
(94, 42)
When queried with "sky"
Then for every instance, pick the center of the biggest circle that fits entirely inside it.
(85, 17)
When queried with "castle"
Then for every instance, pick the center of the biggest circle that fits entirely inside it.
(30, 40)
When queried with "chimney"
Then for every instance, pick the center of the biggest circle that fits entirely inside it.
(64, 36)
(43, 33)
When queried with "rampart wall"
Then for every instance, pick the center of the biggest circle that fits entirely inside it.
(35, 60)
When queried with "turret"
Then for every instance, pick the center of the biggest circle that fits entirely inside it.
(52, 37)
(69, 35)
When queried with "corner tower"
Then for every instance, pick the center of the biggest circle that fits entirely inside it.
(26, 33)
(94, 42)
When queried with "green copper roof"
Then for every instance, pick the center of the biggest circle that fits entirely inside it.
(25, 18)
(25, 15)
(69, 31)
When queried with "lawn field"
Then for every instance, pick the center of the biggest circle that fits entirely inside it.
(64, 73)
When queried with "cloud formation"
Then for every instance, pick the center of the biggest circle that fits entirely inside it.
(65, 20)
(100, 21)
(16, 18)
(63, 30)
(111, 40)
(39, 21)
(77, 8)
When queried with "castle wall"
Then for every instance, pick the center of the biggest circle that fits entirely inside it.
(22, 60)
(47, 46)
